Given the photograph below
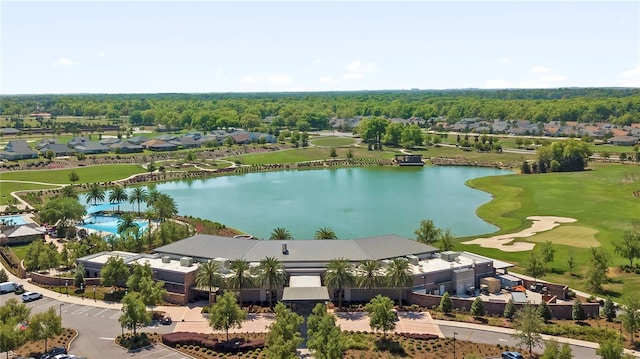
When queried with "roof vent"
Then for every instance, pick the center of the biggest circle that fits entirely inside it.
(285, 251)
(166, 259)
(186, 261)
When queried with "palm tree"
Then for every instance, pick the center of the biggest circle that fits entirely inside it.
(325, 233)
(125, 222)
(280, 233)
(95, 194)
(117, 195)
(165, 207)
(272, 274)
(369, 275)
(69, 191)
(139, 194)
(240, 277)
(209, 275)
(399, 275)
(150, 214)
(152, 196)
(338, 276)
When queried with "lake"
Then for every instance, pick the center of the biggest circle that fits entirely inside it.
(353, 202)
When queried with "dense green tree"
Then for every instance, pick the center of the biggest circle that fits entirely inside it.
(78, 277)
(381, 315)
(138, 272)
(283, 336)
(631, 315)
(138, 195)
(333, 153)
(339, 275)
(165, 207)
(446, 242)
(369, 275)
(73, 177)
(535, 266)
(95, 194)
(427, 233)
(44, 326)
(372, 130)
(14, 312)
(399, 276)
(11, 337)
(571, 260)
(225, 313)
(69, 191)
(577, 311)
(548, 252)
(114, 272)
(280, 233)
(509, 309)
(545, 311)
(393, 134)
(597, 271)
(528, 326)
(325, 233)
(611, 350)
(477, 307)
(553, 350)
(62, 209)
(570, 155)
(209, 275)
(241, 277)
(609, 310)
(134, 312)
(323, 335)
(3, 276)
(271, 273)
(628, 246)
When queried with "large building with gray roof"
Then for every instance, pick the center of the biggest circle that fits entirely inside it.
(305, 262)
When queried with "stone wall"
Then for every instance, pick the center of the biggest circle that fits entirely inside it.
(560, 311)
(46, 279)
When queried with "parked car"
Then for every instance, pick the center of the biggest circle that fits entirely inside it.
(19, 289)
(7, 287)
(29, 296)
(166, 320)
(54, 352)
(512, 355)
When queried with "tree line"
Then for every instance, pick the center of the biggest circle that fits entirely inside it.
(210, 111)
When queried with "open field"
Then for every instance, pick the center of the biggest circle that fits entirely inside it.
(333, 141)
(7, 187)
(573, 236)
(306, 154)
(600, 199)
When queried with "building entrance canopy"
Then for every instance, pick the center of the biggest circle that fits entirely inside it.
(305, 288)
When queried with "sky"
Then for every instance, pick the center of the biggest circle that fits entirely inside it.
(54, 47)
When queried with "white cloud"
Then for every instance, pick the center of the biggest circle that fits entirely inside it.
(317, 61)
(497, 84)
(102, 54)
(631, 77)
(65, 61)
(539, 69)
(269, 79)
(359, 66)
(547, 81)
(505, 60)
(325, 80)
(353, 75)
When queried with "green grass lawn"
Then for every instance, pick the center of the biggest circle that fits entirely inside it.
(89, 174)
(305, 154)
(7, 187)
(20, 251)
(333, 141)
(600, 199)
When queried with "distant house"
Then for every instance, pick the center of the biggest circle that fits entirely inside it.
(22, 234)
(58, 150)
(138, 140)
(167, 137)
(195, 135)
(159, 145)
(8, 131)
(187, 142)
(126, 147)
(110, 141)
(240, 137)
(623, 140)
(47, 141)
(18, 150)
(92, 148)
(76, 141)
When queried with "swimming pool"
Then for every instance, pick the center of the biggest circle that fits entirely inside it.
(107, 224)
(12, 220)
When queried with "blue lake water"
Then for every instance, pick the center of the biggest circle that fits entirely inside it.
(353, 202)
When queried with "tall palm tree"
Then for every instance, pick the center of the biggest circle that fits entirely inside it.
(125, 222)
(152, 196)
(165, 206)
(325, 233)
(117, 195)
(95, 194)
(280, 233)
(338, 276)
(139, 194)
(272, 274)
(369, 275)
(240, 277)
(209, 275)
(399, 275)
(150, 214)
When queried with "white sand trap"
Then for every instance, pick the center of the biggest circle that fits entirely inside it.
(505, 243)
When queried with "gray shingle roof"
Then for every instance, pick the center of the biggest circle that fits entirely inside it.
(381, 247)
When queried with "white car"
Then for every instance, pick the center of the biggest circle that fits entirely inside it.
(29, 296)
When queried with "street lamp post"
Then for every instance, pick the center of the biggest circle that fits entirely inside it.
(66, 286)
(94, 292)
(82, 290)
(424, 284)
(454, 345)
(61, 304)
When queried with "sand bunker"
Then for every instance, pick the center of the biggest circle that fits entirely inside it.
(505, 242)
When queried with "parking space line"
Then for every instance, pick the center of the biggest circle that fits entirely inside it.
(66, 308)
(47, 304)
(153, 353)
(115, 316)
(102, 311)
(80, 311)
